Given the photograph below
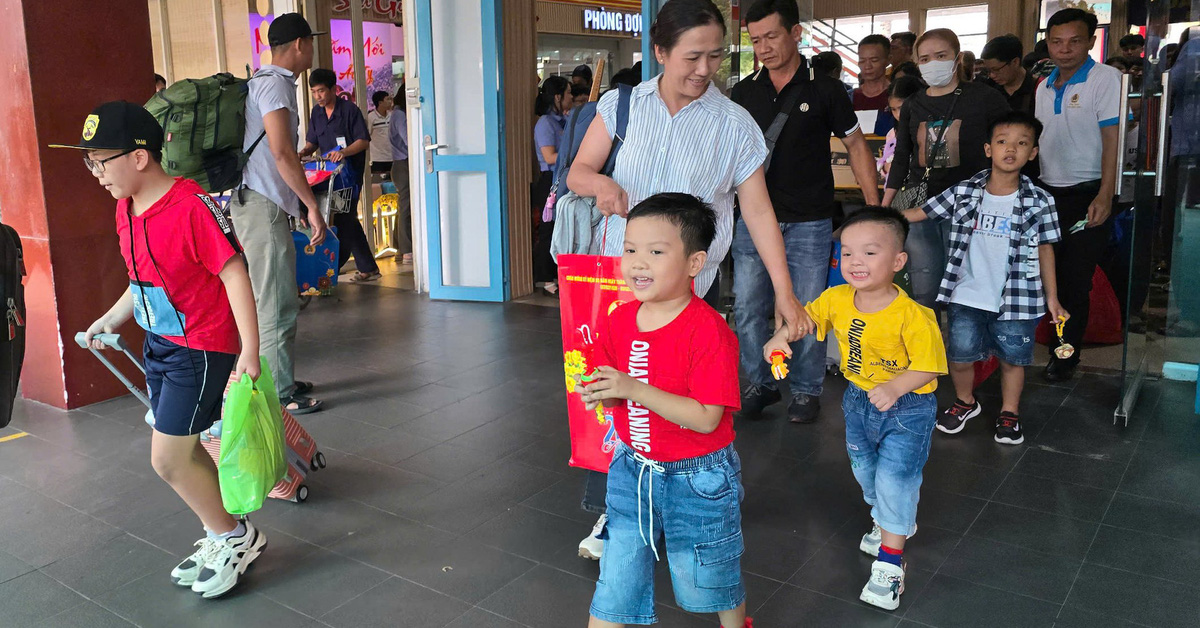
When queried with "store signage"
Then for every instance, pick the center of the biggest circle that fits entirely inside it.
(373, 10)
(612, 21)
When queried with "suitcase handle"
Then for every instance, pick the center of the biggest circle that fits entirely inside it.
(115, 341)
(112, 341)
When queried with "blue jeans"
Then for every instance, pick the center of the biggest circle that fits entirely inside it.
(976, 334)
(887, 452)
(926, 248)
(694, 505)
(807, 245)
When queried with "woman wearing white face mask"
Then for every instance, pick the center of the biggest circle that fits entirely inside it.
(942, 131)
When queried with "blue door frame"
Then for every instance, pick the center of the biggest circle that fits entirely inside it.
(489, 162)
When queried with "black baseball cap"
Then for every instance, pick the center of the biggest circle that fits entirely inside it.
(289, 27)
(119, 125)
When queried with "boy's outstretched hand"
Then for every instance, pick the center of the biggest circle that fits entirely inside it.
(778, 342)
(609, 384)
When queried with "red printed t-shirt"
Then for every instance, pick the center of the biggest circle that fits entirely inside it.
(174, 252)
(695, 355)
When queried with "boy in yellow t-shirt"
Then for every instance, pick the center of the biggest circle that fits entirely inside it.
(892, 353)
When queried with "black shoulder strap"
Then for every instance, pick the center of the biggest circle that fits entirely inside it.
(785, 109)
(625, 94)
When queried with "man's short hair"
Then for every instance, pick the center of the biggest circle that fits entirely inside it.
(582, 71)
(886, 216)
(377, 97)
(696, 220)
(1066, 16)
(1004, 49)
(158, 78)
(908, 39)
(1132, 40)
(322, 76)
(1017, 117)
(787, 10)
(877, 40)
(580, 90)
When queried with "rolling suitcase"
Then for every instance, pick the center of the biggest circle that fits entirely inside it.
(302, 455)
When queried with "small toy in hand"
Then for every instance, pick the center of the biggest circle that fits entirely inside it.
(1064, 349)
(590, 377)
(778, 368)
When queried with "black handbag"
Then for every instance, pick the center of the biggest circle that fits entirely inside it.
(12, 338)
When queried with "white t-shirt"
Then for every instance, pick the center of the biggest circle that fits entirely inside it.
(1071, 147)
(381, 146)
(985, 270)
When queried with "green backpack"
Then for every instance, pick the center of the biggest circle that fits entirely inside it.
(204, 127)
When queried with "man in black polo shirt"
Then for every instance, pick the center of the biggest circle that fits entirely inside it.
(336, 128)
(1002, 58)
(800, 182)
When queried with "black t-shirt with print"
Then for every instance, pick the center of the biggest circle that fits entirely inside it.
(800, 180)
(962, 156)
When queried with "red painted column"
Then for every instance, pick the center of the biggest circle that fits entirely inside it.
(58, 60)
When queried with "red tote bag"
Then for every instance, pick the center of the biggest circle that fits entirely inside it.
(590, 288)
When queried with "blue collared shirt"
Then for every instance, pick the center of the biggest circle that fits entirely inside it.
(345, 127)
(272, 88)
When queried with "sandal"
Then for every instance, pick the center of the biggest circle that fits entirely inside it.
(303, 405)
(301, 388)
(361, 277)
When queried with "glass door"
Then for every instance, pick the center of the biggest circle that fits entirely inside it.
(1146, 124)
(459, 52)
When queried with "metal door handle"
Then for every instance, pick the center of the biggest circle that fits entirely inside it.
(1164, 110)
(436, 146)
(1122, 125)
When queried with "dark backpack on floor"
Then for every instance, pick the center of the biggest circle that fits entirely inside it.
(12, 338)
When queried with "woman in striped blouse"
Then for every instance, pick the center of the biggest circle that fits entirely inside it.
(685, 136)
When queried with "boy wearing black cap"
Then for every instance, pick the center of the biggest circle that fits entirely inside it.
(274, 193)
(189, 289)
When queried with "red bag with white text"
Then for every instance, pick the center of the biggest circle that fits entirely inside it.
(590, 288)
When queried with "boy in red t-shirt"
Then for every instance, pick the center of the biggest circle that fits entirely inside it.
(669, 369)
(189, 289)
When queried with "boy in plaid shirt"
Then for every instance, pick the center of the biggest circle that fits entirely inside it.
(1000, 276)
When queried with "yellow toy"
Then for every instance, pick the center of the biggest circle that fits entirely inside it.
(1064, 349)
(778, 368)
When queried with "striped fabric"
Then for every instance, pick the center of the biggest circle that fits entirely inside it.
(707, 149)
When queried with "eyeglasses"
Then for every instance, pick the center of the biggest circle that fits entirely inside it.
(97, 165)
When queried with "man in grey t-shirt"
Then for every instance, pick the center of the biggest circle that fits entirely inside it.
(273, 188)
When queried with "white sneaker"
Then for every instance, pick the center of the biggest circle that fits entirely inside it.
(227, 560)
(185, 573)
(872, 540)
(592, 547)
(884, 587)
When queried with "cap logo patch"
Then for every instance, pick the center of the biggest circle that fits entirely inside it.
(89, 127)
(139, 142)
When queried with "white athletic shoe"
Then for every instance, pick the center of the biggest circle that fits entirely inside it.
(884, 587)
(227, 560)
(185, 573)
(872, 540)
(592, 547)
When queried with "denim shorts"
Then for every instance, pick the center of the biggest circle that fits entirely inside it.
(694, 505)
(975, 335)
(888, 451)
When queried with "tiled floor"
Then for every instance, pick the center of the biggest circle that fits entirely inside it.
(448, 502)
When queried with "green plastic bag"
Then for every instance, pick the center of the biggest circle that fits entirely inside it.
(252, 458)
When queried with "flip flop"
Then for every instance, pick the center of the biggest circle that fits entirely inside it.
(360, 277)
(304, 405)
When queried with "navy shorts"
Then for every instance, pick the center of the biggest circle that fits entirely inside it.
(976, 334)
(186, 385)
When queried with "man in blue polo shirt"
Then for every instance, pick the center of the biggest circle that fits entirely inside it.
(1079, 105)
(337, 129)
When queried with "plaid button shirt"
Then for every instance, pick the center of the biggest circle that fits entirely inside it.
(1035, 222)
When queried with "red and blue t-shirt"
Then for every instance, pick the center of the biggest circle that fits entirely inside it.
(695, 356)
(174, 253)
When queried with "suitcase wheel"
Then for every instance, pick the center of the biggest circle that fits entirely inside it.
(301, 495)
(318, 461)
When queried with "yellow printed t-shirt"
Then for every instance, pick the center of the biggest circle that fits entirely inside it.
(877, 347)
